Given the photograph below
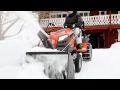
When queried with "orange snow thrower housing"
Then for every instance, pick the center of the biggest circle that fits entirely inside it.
(54, 37)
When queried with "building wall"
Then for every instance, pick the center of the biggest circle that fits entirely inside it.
(93, 13)
(113, 12)
(45, 14)
(119, 35)
(113, 36)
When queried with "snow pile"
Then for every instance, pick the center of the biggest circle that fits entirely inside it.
(30, 19)
(10, 71)
(39, 66)
(20, 30)
(19, 33)
(53, 64)
(105, 64)
(32, 71)
(41, 49)
(116, 45)
(18, 37)
(11, 52)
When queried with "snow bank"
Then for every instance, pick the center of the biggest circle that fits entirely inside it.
(105, 64)
(21, 36)
(30, 19)
(116, 45)
(11, 52)
(41, 49)
(10, 72)
(21, 30)
(53, 64)
(32, 71)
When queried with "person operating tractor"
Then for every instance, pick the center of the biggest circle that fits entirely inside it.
(74, 21)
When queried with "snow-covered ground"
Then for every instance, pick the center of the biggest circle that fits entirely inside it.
(19, 34)
(116, 45)
(105, 62)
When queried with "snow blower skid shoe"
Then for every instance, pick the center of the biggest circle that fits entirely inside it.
(57, 65)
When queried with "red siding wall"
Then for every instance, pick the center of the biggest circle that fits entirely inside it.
(113, 12)
(92, 13)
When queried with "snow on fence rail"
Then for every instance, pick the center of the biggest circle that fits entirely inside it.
(89, 20)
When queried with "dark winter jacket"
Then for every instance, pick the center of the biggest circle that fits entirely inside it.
(73, 19)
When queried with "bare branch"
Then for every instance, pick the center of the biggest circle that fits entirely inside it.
(1, 12)
(2, 34)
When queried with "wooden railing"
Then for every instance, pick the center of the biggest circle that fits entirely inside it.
(89, 20)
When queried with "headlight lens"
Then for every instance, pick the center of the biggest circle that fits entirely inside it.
(63, 37)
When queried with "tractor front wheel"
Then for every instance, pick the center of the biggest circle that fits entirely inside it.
(78, 63)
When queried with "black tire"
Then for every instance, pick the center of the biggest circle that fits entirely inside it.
(78, 63)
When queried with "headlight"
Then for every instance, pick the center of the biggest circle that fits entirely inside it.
(63, 37)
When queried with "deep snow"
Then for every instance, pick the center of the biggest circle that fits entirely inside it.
(105, 62)
(32, 71)
(10, 71)
(19, 38)
(116, 45)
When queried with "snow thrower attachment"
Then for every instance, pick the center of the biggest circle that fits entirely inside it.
(45, 40)
(64, 40)
(57, 65)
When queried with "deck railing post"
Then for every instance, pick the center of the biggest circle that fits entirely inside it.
(89, 20)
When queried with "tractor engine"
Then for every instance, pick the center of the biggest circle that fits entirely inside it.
(60, 39)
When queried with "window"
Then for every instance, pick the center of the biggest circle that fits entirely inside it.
(58, 15)
(102, 12)
(52, 16)
(64, 15)
(84, 13)
(81, 14)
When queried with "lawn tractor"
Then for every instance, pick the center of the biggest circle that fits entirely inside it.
(65, 40)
